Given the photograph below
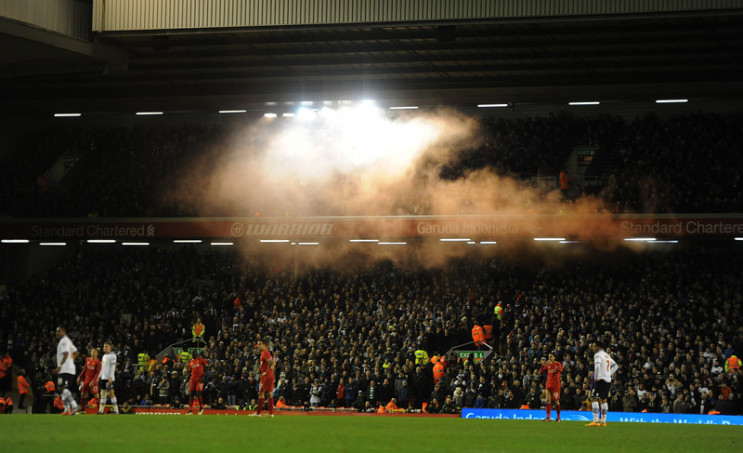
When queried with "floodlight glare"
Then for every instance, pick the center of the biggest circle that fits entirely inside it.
(671, 101)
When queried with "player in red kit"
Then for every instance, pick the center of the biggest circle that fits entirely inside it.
(552, 368)
(197, 365)
(89, 377)
(265, 388)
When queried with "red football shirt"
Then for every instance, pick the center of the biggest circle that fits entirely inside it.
(553, 371)
(197, 365)
(265, 363)
(92, 368)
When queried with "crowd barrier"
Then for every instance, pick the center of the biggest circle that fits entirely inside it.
(631, 417)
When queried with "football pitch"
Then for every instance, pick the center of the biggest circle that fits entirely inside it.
(215, 433)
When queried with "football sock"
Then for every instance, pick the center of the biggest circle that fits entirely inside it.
(201, 402)
(116, 406)
(102, 406)
(190, 403)
(595, 410)
(270, 405)
(260, 404)
(558, 410)
(604, 410)
(549, 410)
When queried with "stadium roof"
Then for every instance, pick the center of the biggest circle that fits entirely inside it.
(551, 60)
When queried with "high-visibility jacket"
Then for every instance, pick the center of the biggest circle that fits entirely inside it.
(381, 410)
(732, 364)
(488, 332)
(198, 330)
(421, 357)
(23, 385)
(142, 360)
(478, 335)
(186, 357)
(498, 310)
(58, 403)
(152, 365)
(49, 387)
(438, 372)
(391, 406)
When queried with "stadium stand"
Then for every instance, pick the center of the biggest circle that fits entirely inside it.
(670, 319)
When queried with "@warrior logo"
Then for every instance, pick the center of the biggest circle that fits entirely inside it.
(237, 229)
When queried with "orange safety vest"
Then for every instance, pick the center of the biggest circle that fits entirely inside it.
(733, 363)
(198, 330)
(5, 365)
(391, 407)
(564, 180)
(381, 410)
(23, 385)
(49, 386)
(478, 335)
(424, 406)
(438, 372)
(488, 332)
(58, 403)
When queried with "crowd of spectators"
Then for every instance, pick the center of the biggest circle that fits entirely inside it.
(649, 165)
(348, 338)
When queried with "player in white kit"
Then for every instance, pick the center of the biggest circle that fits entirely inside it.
(107, 377)
(603, 368)
(65, 371)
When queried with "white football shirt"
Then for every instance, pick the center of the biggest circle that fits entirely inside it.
(65, 345)
(604, 366)
(108, 366)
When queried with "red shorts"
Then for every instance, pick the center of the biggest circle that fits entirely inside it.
(195, 386)
(266, 384)
(554, 391)
(89, 387)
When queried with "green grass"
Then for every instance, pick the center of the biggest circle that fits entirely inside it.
(211, 434)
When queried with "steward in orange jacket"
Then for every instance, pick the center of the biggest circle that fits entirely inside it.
(478, 335)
